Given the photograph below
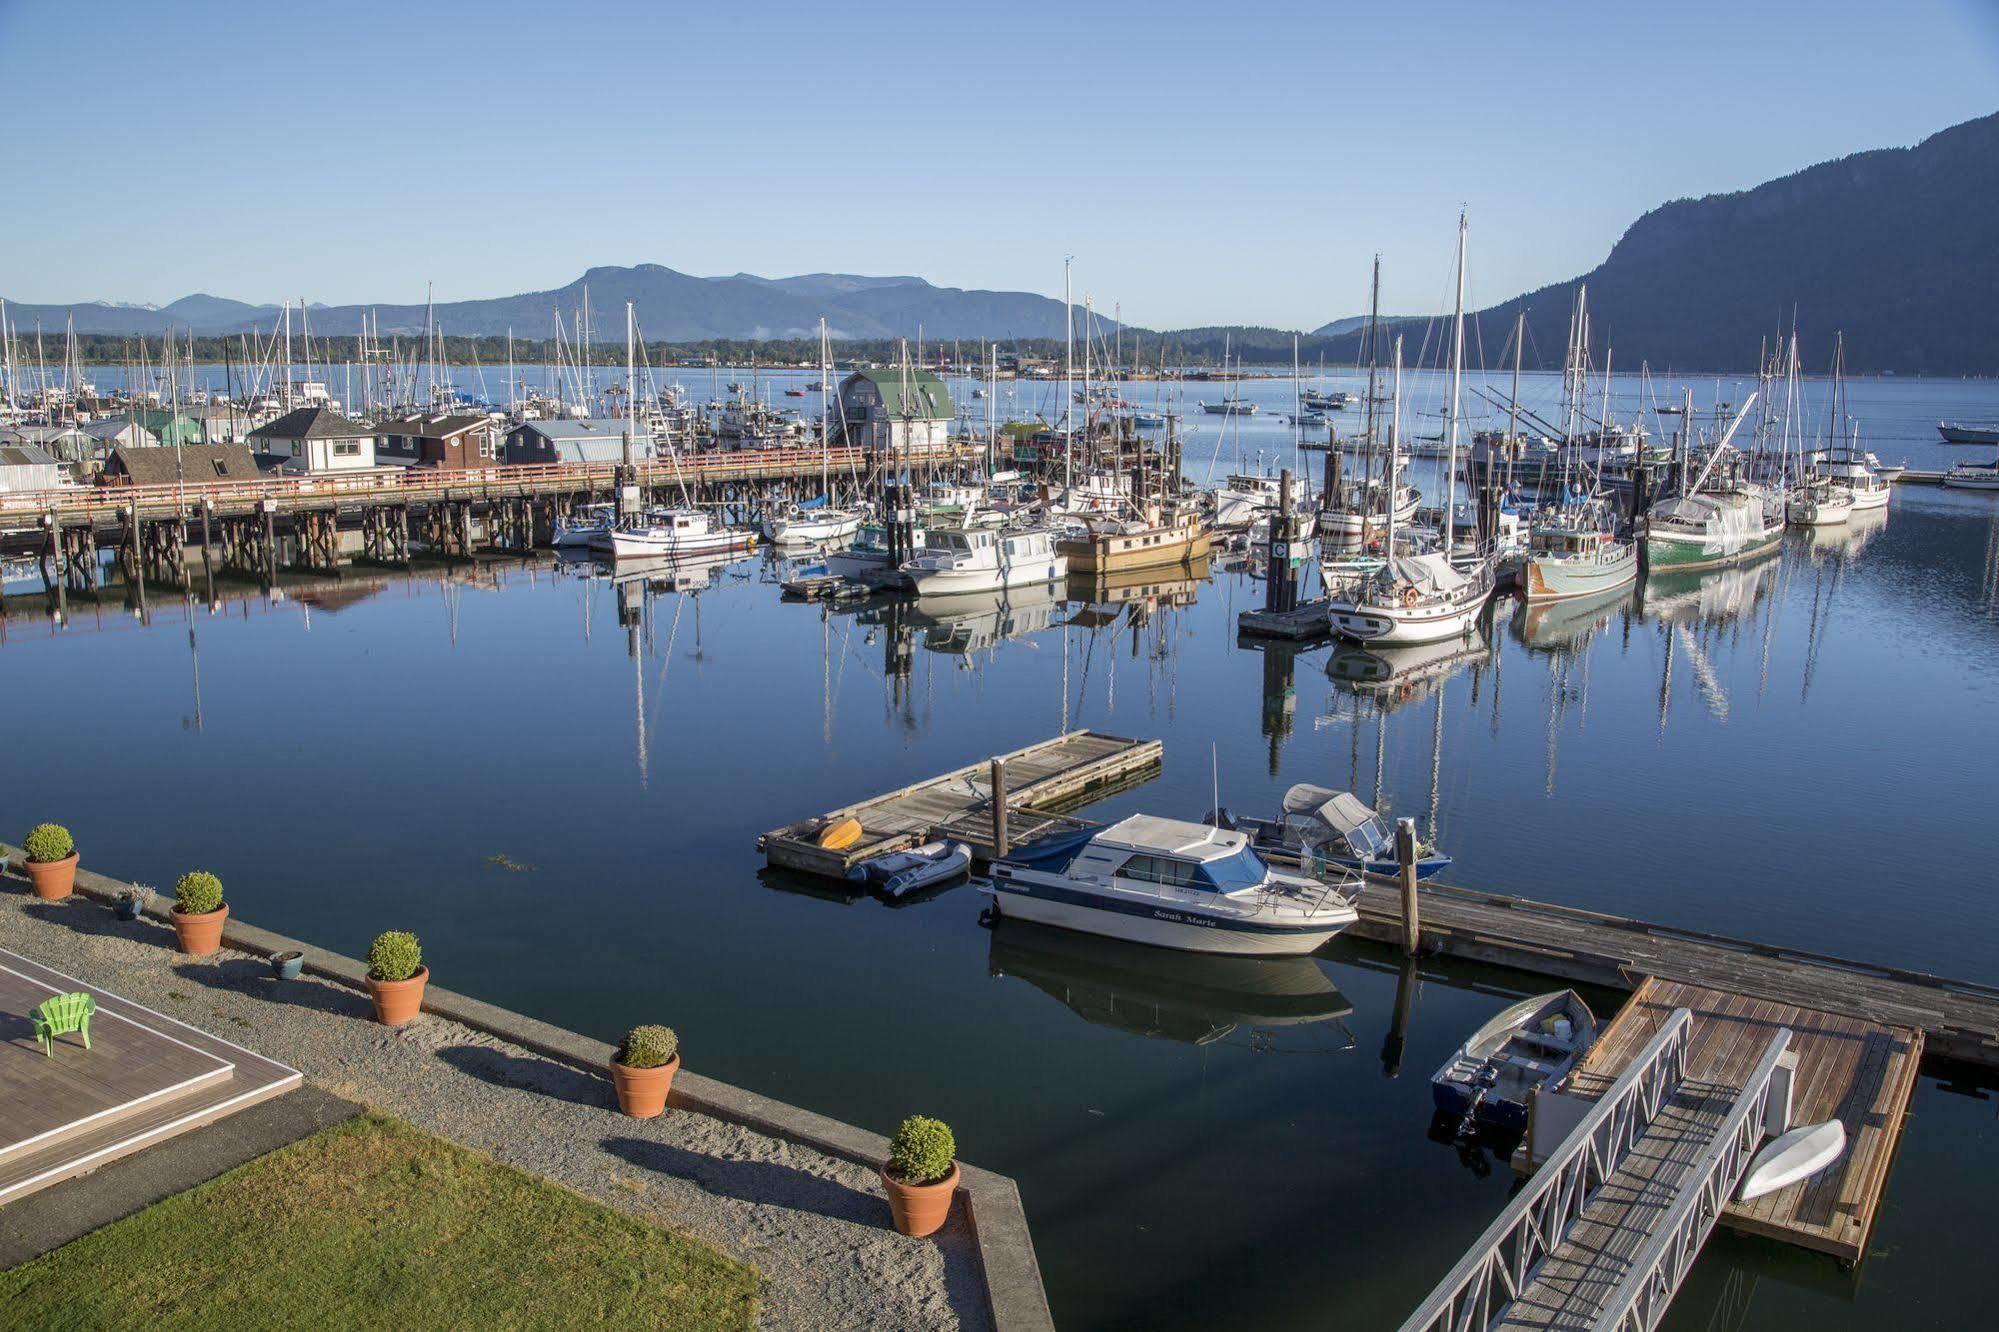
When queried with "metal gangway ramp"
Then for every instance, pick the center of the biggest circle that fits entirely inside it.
(1604, 1233)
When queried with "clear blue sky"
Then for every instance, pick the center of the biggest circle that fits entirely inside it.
(1219, 163)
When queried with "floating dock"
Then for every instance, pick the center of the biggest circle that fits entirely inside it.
(1861, 1073)
(1038, 780)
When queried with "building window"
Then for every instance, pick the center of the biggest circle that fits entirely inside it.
(346, 448)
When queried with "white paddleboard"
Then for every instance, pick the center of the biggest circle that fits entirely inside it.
(1799, 1154)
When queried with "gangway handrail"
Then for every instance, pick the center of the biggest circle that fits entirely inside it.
(1657, 1269)
(1502, 1261)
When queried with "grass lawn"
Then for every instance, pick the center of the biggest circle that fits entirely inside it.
(372, 1223)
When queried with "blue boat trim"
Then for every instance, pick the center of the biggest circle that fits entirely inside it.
(1176, 915)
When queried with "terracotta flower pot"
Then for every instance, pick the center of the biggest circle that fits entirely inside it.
(200, 935)
(53, 879)
(642, 1091)
(398, 1002)
(920, 1209)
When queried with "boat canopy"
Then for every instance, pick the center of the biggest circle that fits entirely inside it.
(816, 502)
(1428, 572)
(1307, 808)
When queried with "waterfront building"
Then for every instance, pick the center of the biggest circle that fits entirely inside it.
(189, 463)
(315, 439)
(454, 441)
(582, 439)
(893, 409)
(118, 432)
(66, 443)
(30, 467)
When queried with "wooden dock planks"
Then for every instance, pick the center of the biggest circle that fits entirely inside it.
(1958, 1020)
(1858, 1071)
(1037, 777)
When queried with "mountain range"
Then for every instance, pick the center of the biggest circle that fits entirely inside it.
(1891, 248)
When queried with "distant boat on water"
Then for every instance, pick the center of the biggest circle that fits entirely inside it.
(1982, 432)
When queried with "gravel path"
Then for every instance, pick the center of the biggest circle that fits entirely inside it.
(816, 1227)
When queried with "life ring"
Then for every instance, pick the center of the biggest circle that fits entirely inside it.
(1409, 597)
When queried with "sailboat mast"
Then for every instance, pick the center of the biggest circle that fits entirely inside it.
(1513, 407)
(1068, 379)
(1457, 387)
(1394, 446)
(825, 438)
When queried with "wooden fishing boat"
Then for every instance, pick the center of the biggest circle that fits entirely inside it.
(1153, 539)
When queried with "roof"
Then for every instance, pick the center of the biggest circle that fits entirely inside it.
(433, 427)
(25, 455)
(113, 426)
(42, 433)
(1176, 837)
(927, 398)
(312, 423)
(196, 462)
(584, 427)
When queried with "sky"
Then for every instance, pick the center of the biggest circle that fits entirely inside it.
(1219, 163)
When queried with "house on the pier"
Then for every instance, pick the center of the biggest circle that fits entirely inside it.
(189, 465)
(118, 432)
(315, 439)
(893, 409)
(583, 439)
(30, 467)
(64, 443)
(459, 440)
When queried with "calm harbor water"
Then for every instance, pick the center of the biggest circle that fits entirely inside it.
(557, 781)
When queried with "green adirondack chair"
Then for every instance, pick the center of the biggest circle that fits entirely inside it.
(64, 1013)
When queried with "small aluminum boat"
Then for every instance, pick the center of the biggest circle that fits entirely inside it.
(1492, 1077)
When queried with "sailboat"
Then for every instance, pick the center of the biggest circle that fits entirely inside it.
(1354, 510)
(1815, 501)
(1573, 549)
(816, 519)
(1426, 596)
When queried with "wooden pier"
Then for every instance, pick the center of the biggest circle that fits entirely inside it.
(1038, 780)
(1861, 1073)
(1958, 1020)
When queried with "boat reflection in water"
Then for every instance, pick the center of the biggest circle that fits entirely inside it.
(1569, 626)
(1707, 598)
(1194, 998)
(1846, 540)
(1393, 676)
(973, 622)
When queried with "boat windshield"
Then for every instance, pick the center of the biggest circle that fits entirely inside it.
(1368, 841)
(1233, 873)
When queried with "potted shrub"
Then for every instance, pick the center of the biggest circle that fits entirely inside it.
(921, 1174)
(51, 859)
(396, 977)
(198, 912)
(643, 1070)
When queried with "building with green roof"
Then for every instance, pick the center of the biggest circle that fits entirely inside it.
(893, 409)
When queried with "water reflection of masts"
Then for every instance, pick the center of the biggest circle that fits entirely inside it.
(193, 653)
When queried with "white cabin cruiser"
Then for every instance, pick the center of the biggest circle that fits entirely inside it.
(810, 520)
(984, 559)
(662, 531)
(1172, 884)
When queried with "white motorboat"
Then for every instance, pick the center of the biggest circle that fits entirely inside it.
(1416, 599)
(1172, 884)
(1865, 479)
(671, 532)
(582, 527)
(984, 559)
(1491, 1079)
(812, 520)
(866, 558)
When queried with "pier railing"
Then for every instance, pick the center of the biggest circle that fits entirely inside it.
(1657, 1269)
(1502, 1262)
(391, 484)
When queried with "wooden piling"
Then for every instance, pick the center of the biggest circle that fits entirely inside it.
(998, 785)
(1405, 859)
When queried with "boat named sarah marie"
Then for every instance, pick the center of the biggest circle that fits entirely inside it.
(1172, 884)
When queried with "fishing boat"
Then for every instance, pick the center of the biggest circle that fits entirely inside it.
(664, 531)
(1360, 510)
(1711, 530)
(1319, 826)
(1230, 407)
(1791, 1157)
(984, 559)
(1172, 884)
(810, 520)
(581, 528)
(1863, 477)
(867, 558)
(1242, 500)
(1156, 536)
(899, 873)
(1492, 1078)
(1983, 432)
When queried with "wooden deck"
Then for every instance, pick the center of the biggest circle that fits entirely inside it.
(1859, 1072)
(145, 1077)
(1959, 1020)
(1039, 779)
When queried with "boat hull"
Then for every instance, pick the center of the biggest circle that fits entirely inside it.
(1675, 554)
(634, 545)
(1161, 926)
(1368, 623)
(1560, 580)
(1125, 552)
